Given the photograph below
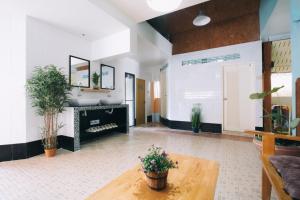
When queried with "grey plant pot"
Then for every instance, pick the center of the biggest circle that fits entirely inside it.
(196, 130)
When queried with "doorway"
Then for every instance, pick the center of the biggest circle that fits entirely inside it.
(163, 93)
(239, 110)
(130, 96)
(155, 100)
(140, 101)
(281, 75)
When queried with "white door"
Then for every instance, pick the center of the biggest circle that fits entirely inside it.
(239, 110)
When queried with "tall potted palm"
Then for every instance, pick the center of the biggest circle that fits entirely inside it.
(49, 89)
(277, 118)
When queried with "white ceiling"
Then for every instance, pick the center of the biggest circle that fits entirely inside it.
(278, 25)
(77, 17)
(139, 11)
(83, 17)
(149, 55)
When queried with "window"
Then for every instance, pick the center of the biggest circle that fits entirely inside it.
(282, 79)
(156, 89)
(130, 96)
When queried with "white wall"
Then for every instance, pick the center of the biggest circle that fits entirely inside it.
(203, 83)
(153, 72)
(121, 65)
(116, 44)
(48, 45)
(129, 65)
(147, 32)
(12, 81)
(27, 42)
(143, 29)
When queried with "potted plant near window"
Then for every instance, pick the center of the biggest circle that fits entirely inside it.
(95, 80)
(156, 165)
(281, 125)
(196, 118)
(49, 89)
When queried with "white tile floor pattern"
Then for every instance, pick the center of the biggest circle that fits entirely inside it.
(74, 176)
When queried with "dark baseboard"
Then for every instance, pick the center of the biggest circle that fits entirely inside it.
(34, 148)
(259, 128)
(211, 128)
(66, 142)
(182, 125)
(19, 151)
(164, 121)
(149, 118)
(30, 149)
(6, 152)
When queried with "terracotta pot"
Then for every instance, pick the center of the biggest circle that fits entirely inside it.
(50, 152)
(280, 150)
(156, 181)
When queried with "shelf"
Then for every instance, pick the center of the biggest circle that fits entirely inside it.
(95, 90)
(105, 127)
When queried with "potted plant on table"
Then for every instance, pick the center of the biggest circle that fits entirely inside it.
(49, 89)
(196, 118)
(95, 80)
(281, 125)
(156, 165)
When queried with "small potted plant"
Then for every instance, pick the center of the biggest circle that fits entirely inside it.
(49, 90)
(156, 165)
(196, 118)
(95, 80)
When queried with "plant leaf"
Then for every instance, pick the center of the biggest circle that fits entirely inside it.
(276, 89)
(258, 95)
(262, 95)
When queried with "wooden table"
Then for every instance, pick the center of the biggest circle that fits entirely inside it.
(194, 179)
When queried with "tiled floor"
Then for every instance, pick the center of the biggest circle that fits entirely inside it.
(236, 133)
(72, 176)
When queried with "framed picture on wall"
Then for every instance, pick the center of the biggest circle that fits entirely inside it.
(107, 77)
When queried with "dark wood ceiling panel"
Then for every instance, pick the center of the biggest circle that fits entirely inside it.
(218, 10)
(241, 30)
(192, 41)
(233, 22)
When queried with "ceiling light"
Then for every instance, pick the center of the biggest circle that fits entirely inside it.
(163, 5)
(201, 19)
